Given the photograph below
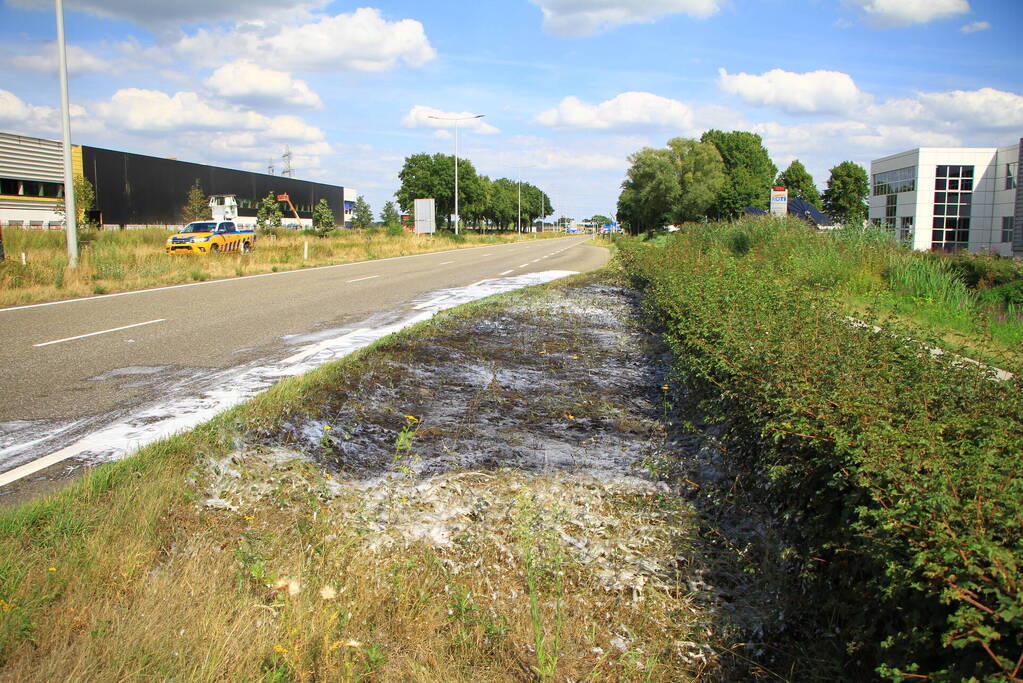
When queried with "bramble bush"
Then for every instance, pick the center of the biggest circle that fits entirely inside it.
(895, 473)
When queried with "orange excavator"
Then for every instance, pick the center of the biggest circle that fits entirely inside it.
(285, 198)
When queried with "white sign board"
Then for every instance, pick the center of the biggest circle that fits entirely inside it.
(779, 201)
(425, 212)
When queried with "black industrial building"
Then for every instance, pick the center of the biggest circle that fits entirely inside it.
(133, 189)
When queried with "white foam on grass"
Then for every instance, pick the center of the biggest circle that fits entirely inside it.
(183, 407)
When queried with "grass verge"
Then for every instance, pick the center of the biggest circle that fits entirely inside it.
(118, 261)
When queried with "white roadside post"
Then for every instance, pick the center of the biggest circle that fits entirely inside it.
(70, 211)
(457, 120)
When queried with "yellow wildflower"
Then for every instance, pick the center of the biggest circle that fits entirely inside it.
(280, 648)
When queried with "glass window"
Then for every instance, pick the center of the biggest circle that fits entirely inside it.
(939, 197)
(954, 171)
(967, 171)
(964, 209)
(940, 184)
(1010, 178)
(953, 184)
(942, 172)
(8, 186)
(938, 222)
(937, 235)
(1007, 226)
(966, 184)
(952, 197)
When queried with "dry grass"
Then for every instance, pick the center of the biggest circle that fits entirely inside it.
(206, 557)
(117, 261)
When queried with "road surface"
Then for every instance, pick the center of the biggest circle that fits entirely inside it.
(70, 367)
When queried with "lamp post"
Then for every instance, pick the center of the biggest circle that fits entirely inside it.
(70, 210)
(457, 120)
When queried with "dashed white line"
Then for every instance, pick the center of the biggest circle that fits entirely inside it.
(445, 263)
(360, 279)
(507, 272)
(523, 265)
(93, 334)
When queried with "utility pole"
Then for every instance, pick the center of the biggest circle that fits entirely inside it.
(70, 210)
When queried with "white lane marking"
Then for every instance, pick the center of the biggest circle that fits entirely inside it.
(93, 334)
(431, 302)
(523, 265)
(313, 350)
(250, 277)
(507, 271)
(360, 279)
(445, 263)
(42, 463)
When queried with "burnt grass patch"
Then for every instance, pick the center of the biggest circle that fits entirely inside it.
(566, 378)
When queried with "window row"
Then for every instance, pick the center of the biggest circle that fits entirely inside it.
(951, 223)
(31, 188)
(954, 172)
(952, 197)
(954, 184)
(952, 209)
(891, 182)
(950, 235)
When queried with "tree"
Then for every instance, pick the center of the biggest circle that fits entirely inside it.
(362, 215)
(323, 217)
(701, 175)
(502, 208)
(389, 215)
(85, 196)
(749, 169)
(599, 219)
(650, 190)
(268, 213)
(799, 183)
(196, 206)
(424, 176)
(845, 200)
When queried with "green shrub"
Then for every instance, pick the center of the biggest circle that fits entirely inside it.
(895, 473)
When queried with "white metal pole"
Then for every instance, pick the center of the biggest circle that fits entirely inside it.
(456, 176)
(518, 183)
(70, 210)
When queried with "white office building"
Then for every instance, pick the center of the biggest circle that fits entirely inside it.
(950, 198)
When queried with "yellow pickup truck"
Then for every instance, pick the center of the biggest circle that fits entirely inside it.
(210, 237)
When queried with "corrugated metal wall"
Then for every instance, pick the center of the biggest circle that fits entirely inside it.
(25, 158)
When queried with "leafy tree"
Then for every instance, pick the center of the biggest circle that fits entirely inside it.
(701, 175)
(196, 206)
(389, 215)
(85, 197)
(502, 208)
(362, 215)
(424, 176)
(799, 183)
(268, 213)
(749, 169)
(323, 217)
(845, 199)
(650, 190)
(599, 219)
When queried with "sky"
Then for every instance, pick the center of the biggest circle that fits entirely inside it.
(568, 88)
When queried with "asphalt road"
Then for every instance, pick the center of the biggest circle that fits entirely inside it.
(62, 361)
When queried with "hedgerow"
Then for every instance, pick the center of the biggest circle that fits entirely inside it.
(894, 472)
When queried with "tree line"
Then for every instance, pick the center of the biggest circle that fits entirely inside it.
(722, 174)
(482, 202)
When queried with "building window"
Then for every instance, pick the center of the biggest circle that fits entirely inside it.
(1008, 226)
(1010, 175)
(906, 230)
(891, 182)
(953, 201)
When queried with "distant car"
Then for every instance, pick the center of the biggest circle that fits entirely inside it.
(210, 237)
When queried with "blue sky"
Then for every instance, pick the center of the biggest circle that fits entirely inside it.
(569, 88)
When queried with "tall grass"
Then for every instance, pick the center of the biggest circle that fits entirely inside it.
(122, 260)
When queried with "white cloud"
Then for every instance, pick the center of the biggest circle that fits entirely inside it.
(892, 13)
(420, 115)
(243, 81)
(588, 17)
(153, 111)
(975, 27)
(79, 60)
(15, 112)
(984, 108)
(360, 41)
(629, 110)
(812, 92)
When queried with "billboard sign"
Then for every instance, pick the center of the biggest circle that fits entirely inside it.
(779, 201)
(425, 211)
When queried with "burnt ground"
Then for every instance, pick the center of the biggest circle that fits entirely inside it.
(563, 384)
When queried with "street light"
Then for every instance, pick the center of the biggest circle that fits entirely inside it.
(456, 119)
(70, 210)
